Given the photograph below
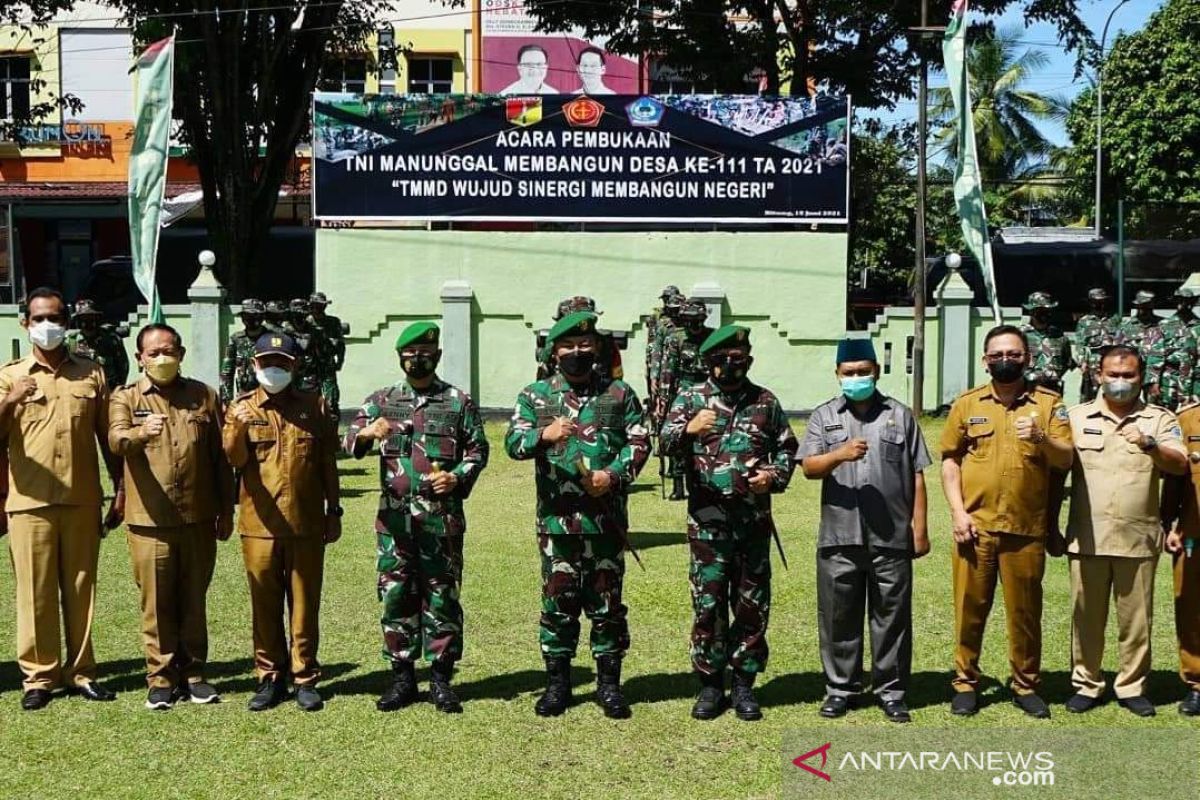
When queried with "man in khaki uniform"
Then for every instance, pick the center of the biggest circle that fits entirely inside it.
(284, 442)
(1114, 534)
(179, 502)
(53, 411)
(1181, 519)
(999, 446)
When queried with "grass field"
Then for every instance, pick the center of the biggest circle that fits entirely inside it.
(498, 747)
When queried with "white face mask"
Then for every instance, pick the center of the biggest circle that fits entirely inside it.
(47, 335)
(273, 379)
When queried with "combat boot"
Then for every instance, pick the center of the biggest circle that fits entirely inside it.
(557, 697)
(741, 696)
(608, 687)
(403, 691)
(677, 492)
(711, 701)
(443, 697)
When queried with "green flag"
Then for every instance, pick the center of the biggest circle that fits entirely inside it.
(153, 91)
(968, 183)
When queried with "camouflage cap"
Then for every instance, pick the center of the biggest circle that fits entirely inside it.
(253, 306)
(1098, 294)
(276, 344)
(318, 299)
(577, 323)
(1040, 300)
(418, 333)
(298, 306)
(670, 291)
(1143, 298)
(1185, 292)
(87, 308)
(572, 304)
(276, 307)
(726, 336)
(693, 310)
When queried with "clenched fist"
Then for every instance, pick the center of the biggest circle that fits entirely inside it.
(558, 431)
(703, 422)
(853, 450)
(22, 389)
(379, 429)
(153, 425)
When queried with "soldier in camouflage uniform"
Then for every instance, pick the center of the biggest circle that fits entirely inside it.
(1050, 349)
(432, 450)
(1175, 352)
(740, 450)
(333, 333)
(237, 368)
(94, 339)
(608, 357)
(1142, 331)
(276, 317)
(309, 367)
(1096, 329)
(656, 345)
(682, 368)
(586, 436)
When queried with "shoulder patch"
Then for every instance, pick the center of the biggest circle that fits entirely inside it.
(1060, 412)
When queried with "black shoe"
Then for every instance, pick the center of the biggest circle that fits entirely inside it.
(308, 698)
(1081, 703)
(711, 700)
(741, 697)
(896, 711)
(1190, 707)
(834, 706)
(403, 691)
(677, 491)
(1138, 705)
(161, 698)
(201, 693)
(36, 699)
(269, 694)
(964, 704)
(557, 697)
(1032, 705)
(92, 690)
(440, 694)
(608, 688)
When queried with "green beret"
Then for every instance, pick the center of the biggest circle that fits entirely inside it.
(418, 333)
(578, 323)
(727, 336)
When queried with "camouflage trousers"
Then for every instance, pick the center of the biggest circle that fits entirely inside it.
(1174, 391)
(582, 573)
(420, 575)
(731, 602)
(332, 395)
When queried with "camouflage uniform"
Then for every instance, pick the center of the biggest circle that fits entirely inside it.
(682, 368)
(1174, 352)
(1092, 332)
(664, 331)
(1049, 348)
(310, 367)
(99, 342)
(237, 367)
(729, 528)
(333, 333)
(1144, 335)
(420, 536)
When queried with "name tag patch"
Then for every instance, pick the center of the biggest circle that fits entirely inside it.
(142, 412)
(1194, 438)
(977, 420)
(259, 422)
(836, 427)
(1094, 431)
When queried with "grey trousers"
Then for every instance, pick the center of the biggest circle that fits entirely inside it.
(851, 580)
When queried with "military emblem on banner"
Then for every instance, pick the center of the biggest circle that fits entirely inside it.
(583, 113)
(523, 110)
(645, 112)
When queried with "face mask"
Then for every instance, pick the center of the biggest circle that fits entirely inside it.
(1120, 390)
(858, 388)
(420, 366)
(273, 379)
(47, 335)
(577, 362)
(1007, 370)
(162, 369)
(729, 373)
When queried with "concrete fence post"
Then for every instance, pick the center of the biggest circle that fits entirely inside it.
(206, 348)
(712, 296)
(457, 355)
(954, 299)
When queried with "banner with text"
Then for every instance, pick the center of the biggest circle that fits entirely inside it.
(562, 158)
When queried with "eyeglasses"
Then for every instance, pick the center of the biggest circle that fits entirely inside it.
(1011, 355)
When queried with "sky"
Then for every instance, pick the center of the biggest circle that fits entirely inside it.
(1059, 75)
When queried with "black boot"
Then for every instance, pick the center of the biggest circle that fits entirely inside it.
(741, 697)
(403, 691)
(677, 492)
(711, 701)
(557, 696)
(440, 694)
(608, 688)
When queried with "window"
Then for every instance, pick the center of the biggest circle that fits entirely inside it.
(344, 75)
(14, 87)
(386, 56)
(430, 75)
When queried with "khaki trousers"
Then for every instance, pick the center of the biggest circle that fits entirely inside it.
(1187, 617)
(288, 570)
(1130, 581)
(1019, 562)
(54, 553)
(173, 568)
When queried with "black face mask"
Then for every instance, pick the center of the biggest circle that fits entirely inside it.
(1007, 370)
(728, 373)
(1041, 317)
(577, 362)
(253, 324)
(1098, 309)
(420, 366)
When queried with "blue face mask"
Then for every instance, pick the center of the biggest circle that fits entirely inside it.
(858, 388)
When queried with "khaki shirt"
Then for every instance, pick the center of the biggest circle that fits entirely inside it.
(52, 435)
(1114, 485)
(1005, 481)
(1181, 493)
(288, 459)
(181, 476)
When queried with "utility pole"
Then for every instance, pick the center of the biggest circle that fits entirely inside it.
(918, 350)
(1100, 115)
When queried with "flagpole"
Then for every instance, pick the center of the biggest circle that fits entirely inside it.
(918, 351)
